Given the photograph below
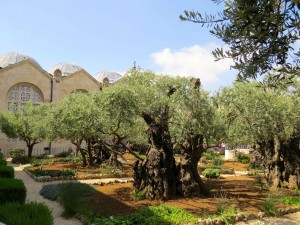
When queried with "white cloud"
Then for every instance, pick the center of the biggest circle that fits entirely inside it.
(195, 61)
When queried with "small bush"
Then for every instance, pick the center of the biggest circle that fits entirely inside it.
(68, 173)
(211, 173)
(63, 154)
(3, 162)
(270, 206)
(17, 152)
(49, 156)
(50, 191)
(21, 160)
(243, 158)
(72, 196)
(139, 195)
(210, 154)
(40, 172)
(7, 172)
(217, 161)
(14, 213)
(12, 190)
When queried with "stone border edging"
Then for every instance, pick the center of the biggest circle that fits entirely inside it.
(243, 217)
(49, 179)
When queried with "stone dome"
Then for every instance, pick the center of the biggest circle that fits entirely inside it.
(65, 68)
(110, 75)
(15, 57)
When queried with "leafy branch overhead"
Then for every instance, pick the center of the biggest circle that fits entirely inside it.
(260, 35)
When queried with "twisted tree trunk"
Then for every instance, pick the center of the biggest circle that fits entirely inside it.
(282, 163)
(157, 172)
(189, 181)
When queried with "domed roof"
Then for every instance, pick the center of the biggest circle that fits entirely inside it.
(110, 75)
(15, 57)
(65, 68)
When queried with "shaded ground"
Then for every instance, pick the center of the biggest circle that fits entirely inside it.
(240, 191)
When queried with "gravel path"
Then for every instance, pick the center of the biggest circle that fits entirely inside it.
(33, 194)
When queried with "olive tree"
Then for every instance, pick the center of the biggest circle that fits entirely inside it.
(27, 123)
(269, 119)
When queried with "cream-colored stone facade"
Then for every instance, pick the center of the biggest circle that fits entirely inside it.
(25, 80)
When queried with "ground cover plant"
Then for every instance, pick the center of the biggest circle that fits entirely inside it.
(14, 213)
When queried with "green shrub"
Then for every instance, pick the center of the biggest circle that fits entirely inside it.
(73, 159)
(289, 200)
(3, 162)
(12, 190)
(243, 158)
(245, 161)
(14, 213)
(7, 172)
(217, 161)
(68, 173)
(21, 159)
(211, 173)
(138, 195)
(1, 155)
(210, 154)
(17, 152)
(73, 198)
(63, 154)
(151, 215)
(40, 172)
(270, 205)
(50, 191)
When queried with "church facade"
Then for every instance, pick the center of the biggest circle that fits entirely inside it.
(22, 79)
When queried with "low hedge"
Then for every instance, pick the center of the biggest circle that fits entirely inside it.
(14, 213)
(12, 190)
(7, 172)
(3, 162)
(21, 159)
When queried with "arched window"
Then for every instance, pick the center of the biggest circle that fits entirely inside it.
(21, 93)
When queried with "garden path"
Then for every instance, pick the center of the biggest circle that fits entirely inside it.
(289, 219)
(33, 194)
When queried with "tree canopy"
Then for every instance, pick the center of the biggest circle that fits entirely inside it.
(27, 123)
(260, 36)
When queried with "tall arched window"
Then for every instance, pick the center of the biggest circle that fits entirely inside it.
(21, 93)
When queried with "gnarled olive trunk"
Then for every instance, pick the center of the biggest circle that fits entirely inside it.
(113, 161)
(189, 181)
(282, 163)
(157, 172)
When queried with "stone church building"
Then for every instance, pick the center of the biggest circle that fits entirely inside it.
(22, 79)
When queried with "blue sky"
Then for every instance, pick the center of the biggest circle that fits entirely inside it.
(110, 35)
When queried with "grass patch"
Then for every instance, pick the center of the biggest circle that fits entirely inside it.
(151, 215)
